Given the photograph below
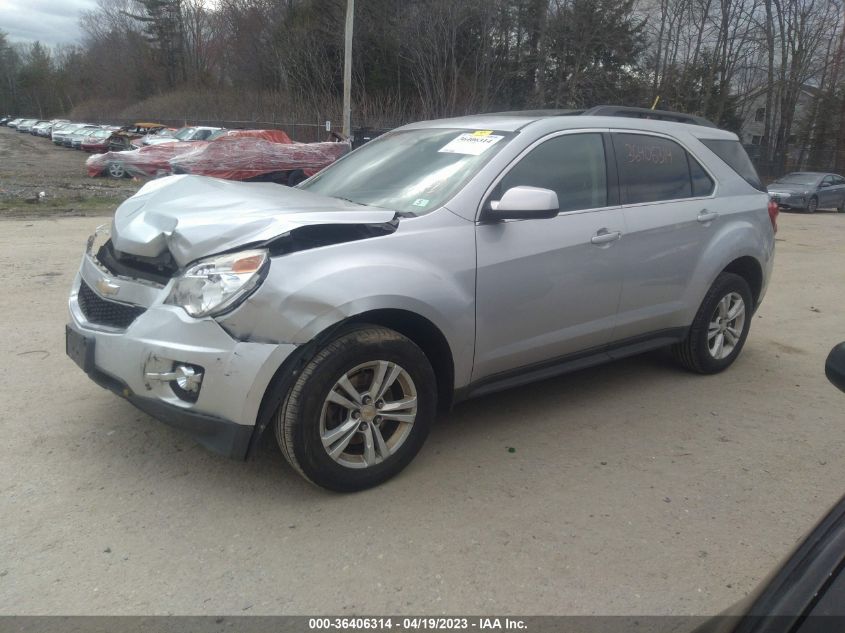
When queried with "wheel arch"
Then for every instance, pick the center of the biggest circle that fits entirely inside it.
(749, 269)
(425, 334)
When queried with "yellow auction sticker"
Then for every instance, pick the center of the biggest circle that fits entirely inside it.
(482, 133)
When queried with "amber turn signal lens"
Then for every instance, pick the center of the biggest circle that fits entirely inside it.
(247, 264)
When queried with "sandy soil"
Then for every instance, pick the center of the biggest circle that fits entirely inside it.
(635, 488)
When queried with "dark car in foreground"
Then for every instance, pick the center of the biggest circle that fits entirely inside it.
(809, 191)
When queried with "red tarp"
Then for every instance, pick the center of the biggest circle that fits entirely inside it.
(237, 155)
(245, 158)
(148, 162)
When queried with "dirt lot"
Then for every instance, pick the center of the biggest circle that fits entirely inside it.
(30, 165)
(635, 488)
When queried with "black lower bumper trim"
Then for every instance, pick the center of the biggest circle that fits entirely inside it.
(216, 434)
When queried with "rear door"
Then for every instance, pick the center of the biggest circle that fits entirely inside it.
(667, 201)
(550, 288)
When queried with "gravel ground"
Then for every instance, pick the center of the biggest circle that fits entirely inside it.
(634, 488)
(30, 165)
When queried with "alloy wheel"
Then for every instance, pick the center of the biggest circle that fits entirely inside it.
(726, 326)
(116, 170)
(368, 414)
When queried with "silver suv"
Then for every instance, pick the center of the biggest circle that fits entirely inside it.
(442, 261)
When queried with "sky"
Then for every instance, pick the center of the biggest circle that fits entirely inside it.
(51, 22)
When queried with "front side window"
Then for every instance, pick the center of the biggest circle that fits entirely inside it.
(651, 169)
(571, 165)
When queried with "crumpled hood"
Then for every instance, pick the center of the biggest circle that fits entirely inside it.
(195, 216)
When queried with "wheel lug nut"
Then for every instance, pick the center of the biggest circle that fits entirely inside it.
(363, 427)
(367, 400)
(356, 415)
(377, 419)
(379, 404)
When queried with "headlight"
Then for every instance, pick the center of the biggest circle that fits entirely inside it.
(218, 284)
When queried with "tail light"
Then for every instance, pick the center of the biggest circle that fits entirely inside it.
(774, 210)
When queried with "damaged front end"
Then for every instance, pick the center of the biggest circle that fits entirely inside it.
(148, 302)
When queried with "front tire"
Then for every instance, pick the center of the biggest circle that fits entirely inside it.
(812, 205)
(720, 327)
(360, 410)
(116, 169)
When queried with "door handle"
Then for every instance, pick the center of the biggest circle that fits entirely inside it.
(707, 216)
(605, 237)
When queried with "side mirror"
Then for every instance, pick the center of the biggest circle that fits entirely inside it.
(524, 203)
(834, 367)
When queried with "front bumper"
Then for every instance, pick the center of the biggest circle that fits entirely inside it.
(789, 202)
(236, 374)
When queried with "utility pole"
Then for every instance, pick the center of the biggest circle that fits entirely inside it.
(347, 71)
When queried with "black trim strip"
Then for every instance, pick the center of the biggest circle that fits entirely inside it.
(571, 362)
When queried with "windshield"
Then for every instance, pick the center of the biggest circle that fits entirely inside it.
(184, 133)
(100, 133)
(799, 178)
(412, 171)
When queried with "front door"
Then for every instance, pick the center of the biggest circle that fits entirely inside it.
(550, 288)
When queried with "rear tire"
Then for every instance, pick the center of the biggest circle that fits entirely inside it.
(720, 327)
(347, 441)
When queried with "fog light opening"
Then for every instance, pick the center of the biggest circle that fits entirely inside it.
(187, 382)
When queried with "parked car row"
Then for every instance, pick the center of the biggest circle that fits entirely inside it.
(151, 150)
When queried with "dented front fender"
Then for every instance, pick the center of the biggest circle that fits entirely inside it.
(426, 266)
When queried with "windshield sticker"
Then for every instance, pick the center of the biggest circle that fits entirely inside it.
(471, 143)
(421, 202)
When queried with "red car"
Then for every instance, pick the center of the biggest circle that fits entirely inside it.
(97, 142)
(257, 158)
(148, 162)
(267, 155)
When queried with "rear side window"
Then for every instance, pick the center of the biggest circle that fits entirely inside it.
(734, 155)
(702, 183)
(651, 168)
(572, 165)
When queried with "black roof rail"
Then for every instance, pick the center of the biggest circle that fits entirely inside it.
(536, 113)
(645, 113)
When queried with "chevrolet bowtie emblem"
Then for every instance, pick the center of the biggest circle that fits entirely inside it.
(107, 288)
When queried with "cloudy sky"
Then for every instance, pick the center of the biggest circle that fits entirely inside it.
(48, 21)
